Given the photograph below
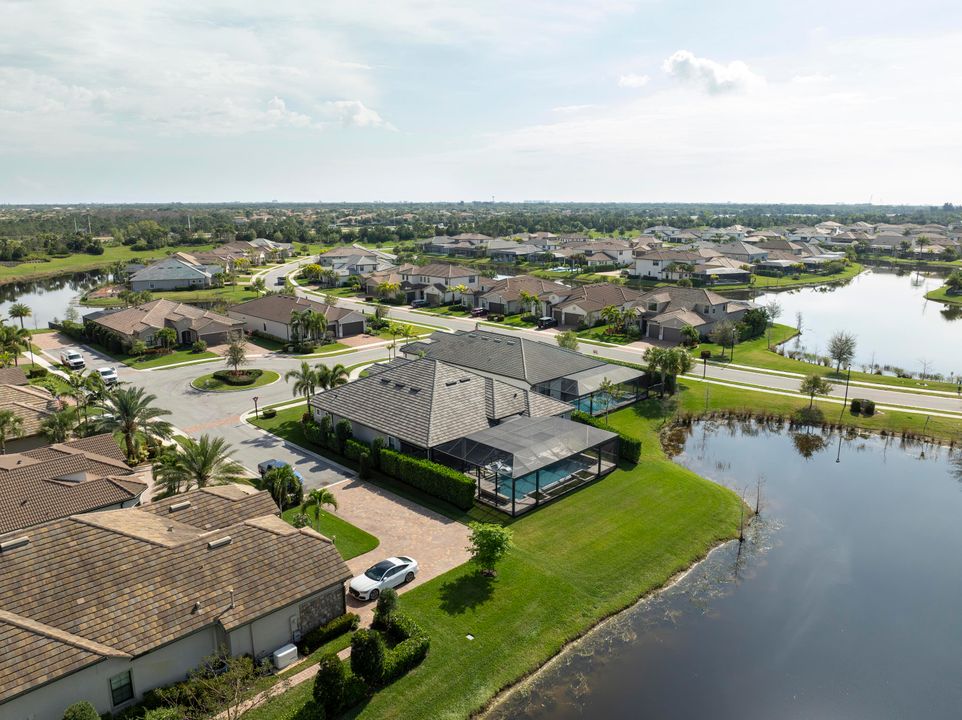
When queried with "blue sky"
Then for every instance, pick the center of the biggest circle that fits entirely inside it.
(610, 100)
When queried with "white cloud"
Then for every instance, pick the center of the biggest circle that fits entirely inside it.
(354, 113)
(711, 76)
(631, 80)
(568, 109)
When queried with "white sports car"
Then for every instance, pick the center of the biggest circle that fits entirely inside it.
(386, 574)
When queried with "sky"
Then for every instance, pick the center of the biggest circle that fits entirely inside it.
(423, 100)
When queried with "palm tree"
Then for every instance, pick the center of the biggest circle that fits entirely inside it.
(78, 390)
(198, 463)
(305, 380)
(315, 324)
(609, 393)
(14, 340)
(387, 289)
(58, 426)
(528, 300)
(611, 315)
(461, 291)
(655, 358)
(20, 311)
(317, 498)
(131, 411)
(331, 377)
(11, 426)
(279, 482)
(676, 361)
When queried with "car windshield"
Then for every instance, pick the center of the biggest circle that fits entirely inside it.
(377, 572)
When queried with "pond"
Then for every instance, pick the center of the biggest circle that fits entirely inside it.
(842, 602)
(49, 298)
(887, 312)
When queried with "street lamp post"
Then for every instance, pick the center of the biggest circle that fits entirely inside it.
(256, 416)
(845, 401)
(705, 354)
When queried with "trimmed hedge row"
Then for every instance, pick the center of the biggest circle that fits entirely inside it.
(245, 377)
(431, 477)
(629, 448)
(375, 663)
(315, 638)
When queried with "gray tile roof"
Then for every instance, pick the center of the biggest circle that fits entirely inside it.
(278, 308)
(510, 356)
(426, 402)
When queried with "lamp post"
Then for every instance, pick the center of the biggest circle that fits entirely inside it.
(845, 401)
(256, 416)
(705, 354)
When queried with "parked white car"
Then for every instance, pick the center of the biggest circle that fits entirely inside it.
(71, 358)
(386, 574)
(108, 375)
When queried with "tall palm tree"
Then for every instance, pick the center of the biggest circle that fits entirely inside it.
(317, 498)
(11, 426)
(280, 482)
(198, 463)
(14, 340)
(58, 426)
(331, 377)
(315, 324)
(305, 380)
(78, 390)
(20, 311)
(130, 411)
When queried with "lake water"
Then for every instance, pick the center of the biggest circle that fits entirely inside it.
(888, 314)
(49, 298)
(842, 603)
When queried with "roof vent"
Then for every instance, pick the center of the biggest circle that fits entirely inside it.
(385, 381)
(219, 542)
(183, 505)
(398, 386)
(449, 383)
(509, 342)
(464, 380)
(414, 390)
(13, 543)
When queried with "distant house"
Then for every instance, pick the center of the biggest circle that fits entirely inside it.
(64, 479)
(501, 250)
(463, 245)
(31, 404)
(271, 315)
(435, 282)
(583, 305)
(354, 260)
(744, 252)
(142, 322)
(505, 296)
(106, 606)
(545, 368)
(664, 312)
(670, 264)
(174, 273)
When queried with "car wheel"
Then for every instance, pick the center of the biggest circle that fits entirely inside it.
(409, 577)
(374, 594)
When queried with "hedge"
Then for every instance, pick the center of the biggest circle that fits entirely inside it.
(244, 377)
(313, 639)
(629, 448)
(431, 477)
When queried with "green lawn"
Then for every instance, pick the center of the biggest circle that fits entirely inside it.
(575, 562)
(765, 282)
(942, 295)
(445, 310)
(228, 294)
(350, 541)
(599, 334)
(83, 262)
(211, 384)
(756, 353)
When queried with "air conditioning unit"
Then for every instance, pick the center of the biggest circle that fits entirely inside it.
(284, 656)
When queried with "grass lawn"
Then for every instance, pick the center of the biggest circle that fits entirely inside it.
(942, 295)
(599, 334)
(756, 353)
(266, 343)
(211, 384)
(82, 262)
(350, 541)
(228, 293)
(575, 562)
(805, 278)
(445, 310)
(156, 361)
(326, 349)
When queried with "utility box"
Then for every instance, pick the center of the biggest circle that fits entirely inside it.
(284, 656)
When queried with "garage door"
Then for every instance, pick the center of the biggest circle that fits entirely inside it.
(352, 328)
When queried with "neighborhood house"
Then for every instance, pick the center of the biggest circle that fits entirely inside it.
(271, 315)
(142, 322)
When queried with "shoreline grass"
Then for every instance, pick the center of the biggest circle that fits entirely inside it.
(942, 295)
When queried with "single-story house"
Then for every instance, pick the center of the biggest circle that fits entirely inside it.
(429, 408)
(354, 260)
(504, 296)
(271, 315)
(743, 252)
(31, 404)
(142, 322)
(501, 250)
(64, 479)
(543, 367)
(584, 304)
(663, 312)
(174, 273)
(105, 606)
(464, 245)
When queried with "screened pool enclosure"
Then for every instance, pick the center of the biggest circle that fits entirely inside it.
(525, 462)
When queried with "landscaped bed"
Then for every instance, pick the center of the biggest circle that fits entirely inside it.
(349, 540)
(228, 381)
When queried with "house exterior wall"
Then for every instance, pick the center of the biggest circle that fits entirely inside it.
(173, 284)
(281, 331)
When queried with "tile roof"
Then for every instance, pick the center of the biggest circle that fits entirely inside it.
(12, 376)
(215, 507)
(598, 296)
(91, 585)
(441, 270)
(510, 356)
(426, 402)
(510, 288)
(32, 404)
(64, 479)
(278, 308)
(155, 314)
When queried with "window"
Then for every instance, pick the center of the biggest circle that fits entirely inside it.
(121, 688)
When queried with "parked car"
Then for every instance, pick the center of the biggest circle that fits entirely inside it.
(479, 312)
(263, 467)
(108, 375)
(281, 280)
(386, 574)
(71, 358)
(546, 322)
(419, 303)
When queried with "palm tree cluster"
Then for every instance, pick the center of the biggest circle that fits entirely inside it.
(197, 463)
(13, 342)
(619, 320)
(308, 325)
(308, 380)
(131, 412)
(668, 362)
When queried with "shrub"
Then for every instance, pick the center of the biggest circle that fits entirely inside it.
(389, 462)
(629, 448)
(243, 377)
(376, 446)
(164, 713)
(856, 406)
(199, 346)
(37, 371)
(437, 480)
(367, 656)
(329, 684)
(386, 604)
(355, 690)
(404, 657)
(82, 710)
(364, 465)
(353, 449)
(343, 432)
(868, 408)
(138, 348)
(313, 639)
(809, 415)
(269, 413)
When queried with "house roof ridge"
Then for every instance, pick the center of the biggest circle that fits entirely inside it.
(55, 633)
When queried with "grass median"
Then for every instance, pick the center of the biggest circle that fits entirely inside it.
(210, 383)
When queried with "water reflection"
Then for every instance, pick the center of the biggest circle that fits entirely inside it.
(842, 601)
(49, 298)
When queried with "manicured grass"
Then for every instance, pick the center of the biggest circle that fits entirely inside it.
(82, 262)
(805, 278)
(756, 353)
(209, 383)
(172, 358)
(942, 295)
(350, 541)
(445, 310)
(266, 343)
(575, 562)
(599, 334)
(228, 293)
